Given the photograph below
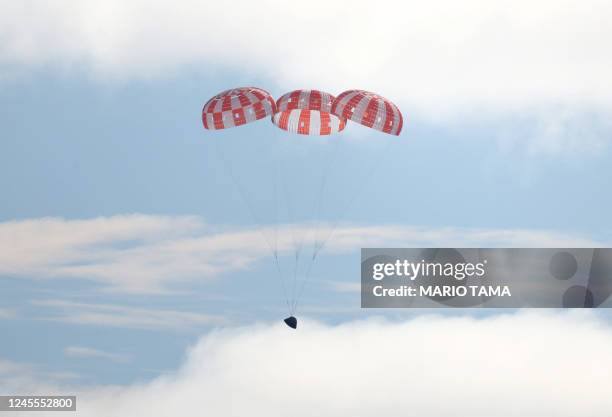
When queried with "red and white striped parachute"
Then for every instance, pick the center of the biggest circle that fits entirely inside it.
(369, 109)
(236, 107)
(307, 112)
(274, 196)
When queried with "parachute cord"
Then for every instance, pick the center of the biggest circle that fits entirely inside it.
(315, 247)
(276, 227)
(319, 245)
(296, 247)
(301, 290)
(295, 272)
(326, 174)
(298, 234)
(276, 206)
(280, 275)
(243, 196)
(290, 212)
(349, 204)
(324, 178)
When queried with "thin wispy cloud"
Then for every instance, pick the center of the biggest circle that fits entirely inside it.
(111, 315)
(6, 314)
(91, 353)
(7, 367)
(345, 287)
(19, 377)
(142, 254)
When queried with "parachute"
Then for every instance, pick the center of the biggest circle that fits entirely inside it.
(307, 112)
(369, 109)
(237, 107)
(286, 187)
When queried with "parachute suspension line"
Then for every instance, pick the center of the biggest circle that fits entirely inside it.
(289, 210)
(243, 196)
(294, 286)
(291, 224)
(301, 290)
(276, 231)
(371, 173)
(275, 204)
(314, 230)
(291, 217)
(297, 233)
(326, 174)
(251, 99)
(349, 203)
(305, 230)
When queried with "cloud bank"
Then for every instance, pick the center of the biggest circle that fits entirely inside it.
(430, 56)
(526, 364)
(143, 254)
(539, 70)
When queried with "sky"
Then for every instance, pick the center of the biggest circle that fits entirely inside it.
(135, 246)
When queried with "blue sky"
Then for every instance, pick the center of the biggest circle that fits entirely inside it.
(125, 240)
(76, 149)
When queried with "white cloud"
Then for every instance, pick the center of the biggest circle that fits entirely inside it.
(526, 364)
(131, 253)
(127, 317)
(7, 367)
(6, 314)
(349, 287)
(557, 129)
(438, 59)
(14, 375)
(149, 254)
(87, 352)
(428, 53)
(18, 377)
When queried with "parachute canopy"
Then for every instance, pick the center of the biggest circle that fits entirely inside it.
(307, 112)
(237, 107)
(369, 109)
(298, 191)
